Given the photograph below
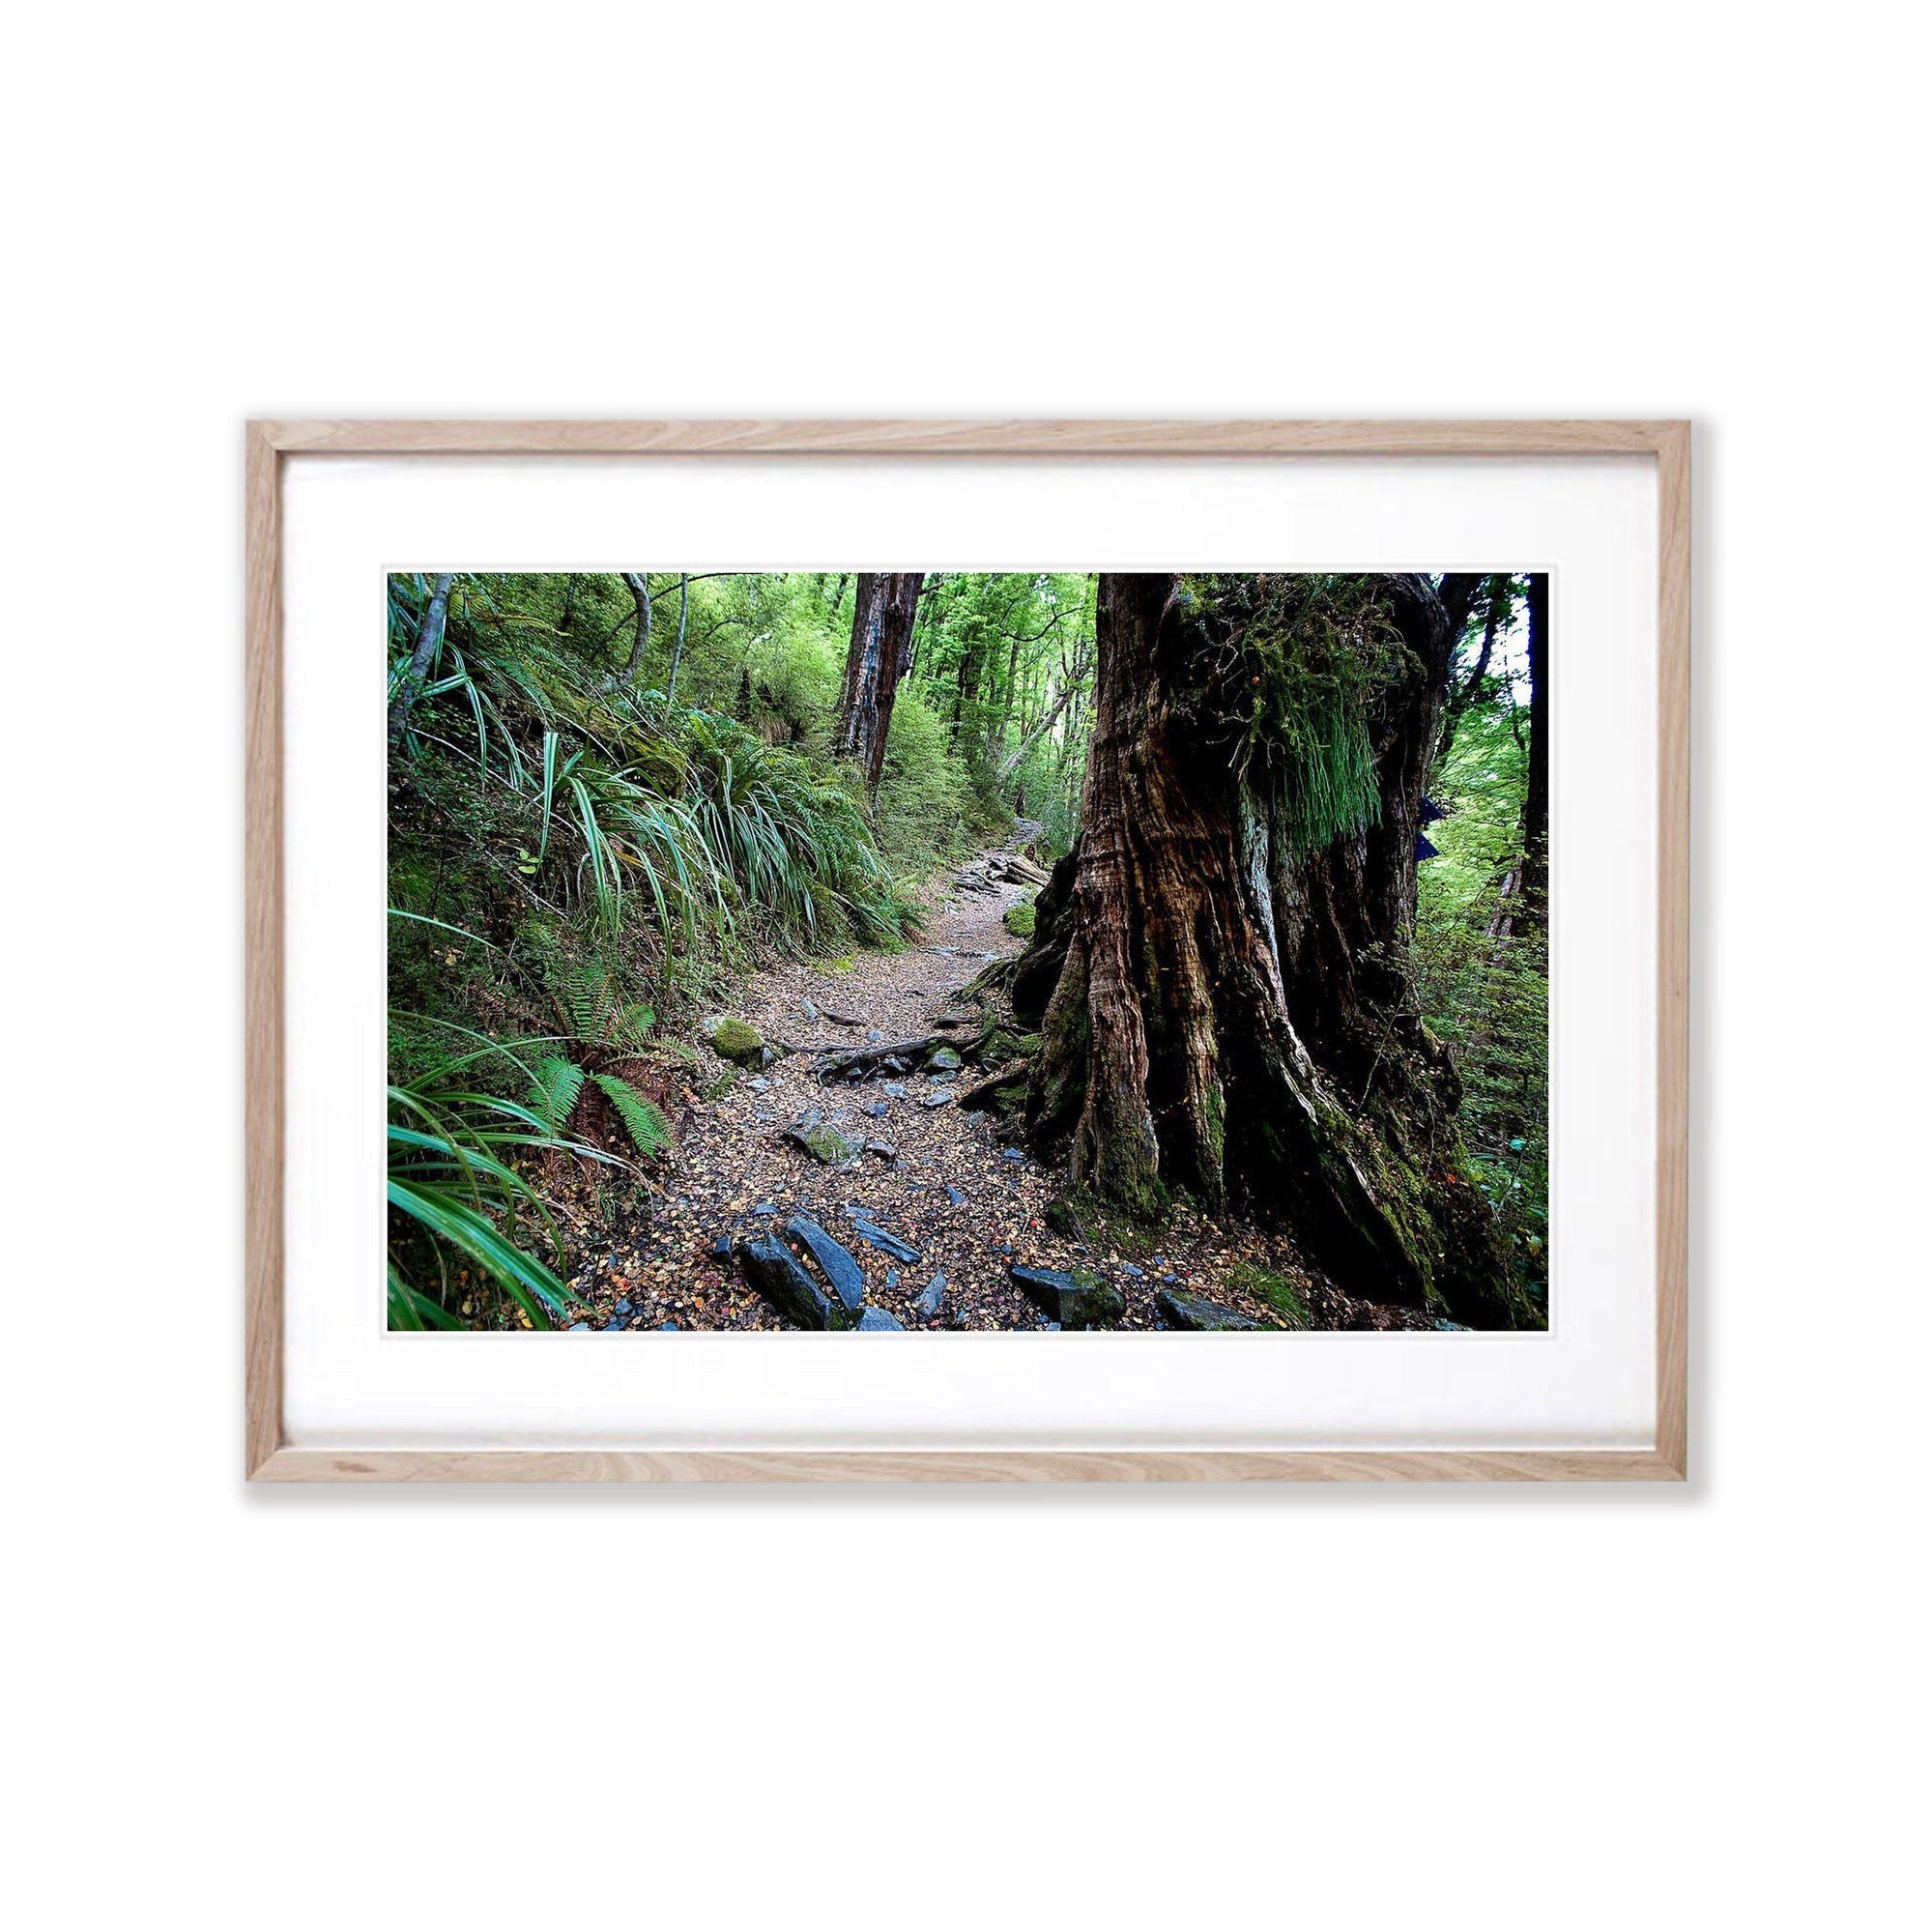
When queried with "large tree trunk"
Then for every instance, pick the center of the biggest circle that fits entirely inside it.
(880, 655)
(1220, 967)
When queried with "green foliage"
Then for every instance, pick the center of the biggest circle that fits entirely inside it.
(1482, 976)
(1019, 918)
(1282, 1296)
(463, 1215)
(1301, 656)
(649, 1130)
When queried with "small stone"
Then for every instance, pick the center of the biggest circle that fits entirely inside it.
(886, 1243)
(878, 1110)
(884, 1149)
(759, 1083)
(667, 1328)
(1074, 1301)
(808, 1010)
(875, 1319)
(578, 1328)
(721, 1248)
(943, 1059)
(895, 1088)
(1128, 1268)
(954, 1196)
(766, 1207)
(835, 1262)
(873, 1036)
(825, 1144)
(937, 1099)
(892, 1277)
(1193, 1311)
(1011, 1154)
(623, 1307)
(930, 1299)
(780, 1276)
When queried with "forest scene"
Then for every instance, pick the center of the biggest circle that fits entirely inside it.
(875, 951)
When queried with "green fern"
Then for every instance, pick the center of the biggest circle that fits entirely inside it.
(559, 1082)
(649, 1130)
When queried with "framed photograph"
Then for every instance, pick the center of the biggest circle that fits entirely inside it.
(1177, 928)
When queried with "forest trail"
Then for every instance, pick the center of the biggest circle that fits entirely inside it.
(953, 1186)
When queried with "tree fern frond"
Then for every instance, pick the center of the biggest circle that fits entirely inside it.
(646, 1124)
(559, 1082)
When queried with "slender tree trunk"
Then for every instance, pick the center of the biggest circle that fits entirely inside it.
(881, 648)
(1228, 1012)
(677, 649)
(569, 601)
(635, 583)
(428, 641)
(1010, 764)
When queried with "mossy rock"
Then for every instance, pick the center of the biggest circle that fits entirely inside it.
(943, 1059)
(733, 1040)
(1020, 920)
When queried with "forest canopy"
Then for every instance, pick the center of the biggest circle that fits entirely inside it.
(1199, 917)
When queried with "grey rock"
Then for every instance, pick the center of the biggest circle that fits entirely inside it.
(1011, 1154)
(623, 1307)
(825, 1144)
(873, 1036)
(879, 1109)
(895, 1088)
(874, 1319)
(1128, 1268)
(780, 1276)
(1051, 1327)
(807, 1009)
(1074, 1301)
(835, 1263)
(721, 1248)
(943, 1059)
(892, 1277)
(1451, 1327)
(954, 1196)
(884, 1149)
(578, 1328)
(886, 1243)
(930, 1299)
(1193, 1311)
(766, 1207)
(937, 1099)
(667, 1328)
(759, 1083)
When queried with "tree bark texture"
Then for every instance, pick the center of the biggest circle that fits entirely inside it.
(428, 642)
(1228, 1012)
(635, 582)
(878, 657)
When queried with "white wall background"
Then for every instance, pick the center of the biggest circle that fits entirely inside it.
(1334, 1709)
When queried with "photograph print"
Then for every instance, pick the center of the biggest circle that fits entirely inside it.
(907, 951)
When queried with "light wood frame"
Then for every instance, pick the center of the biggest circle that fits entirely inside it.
(268, 1459)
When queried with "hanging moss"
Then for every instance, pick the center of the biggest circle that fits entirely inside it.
(1298, 660)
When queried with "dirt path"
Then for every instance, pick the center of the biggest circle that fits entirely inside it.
(956, 1187)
